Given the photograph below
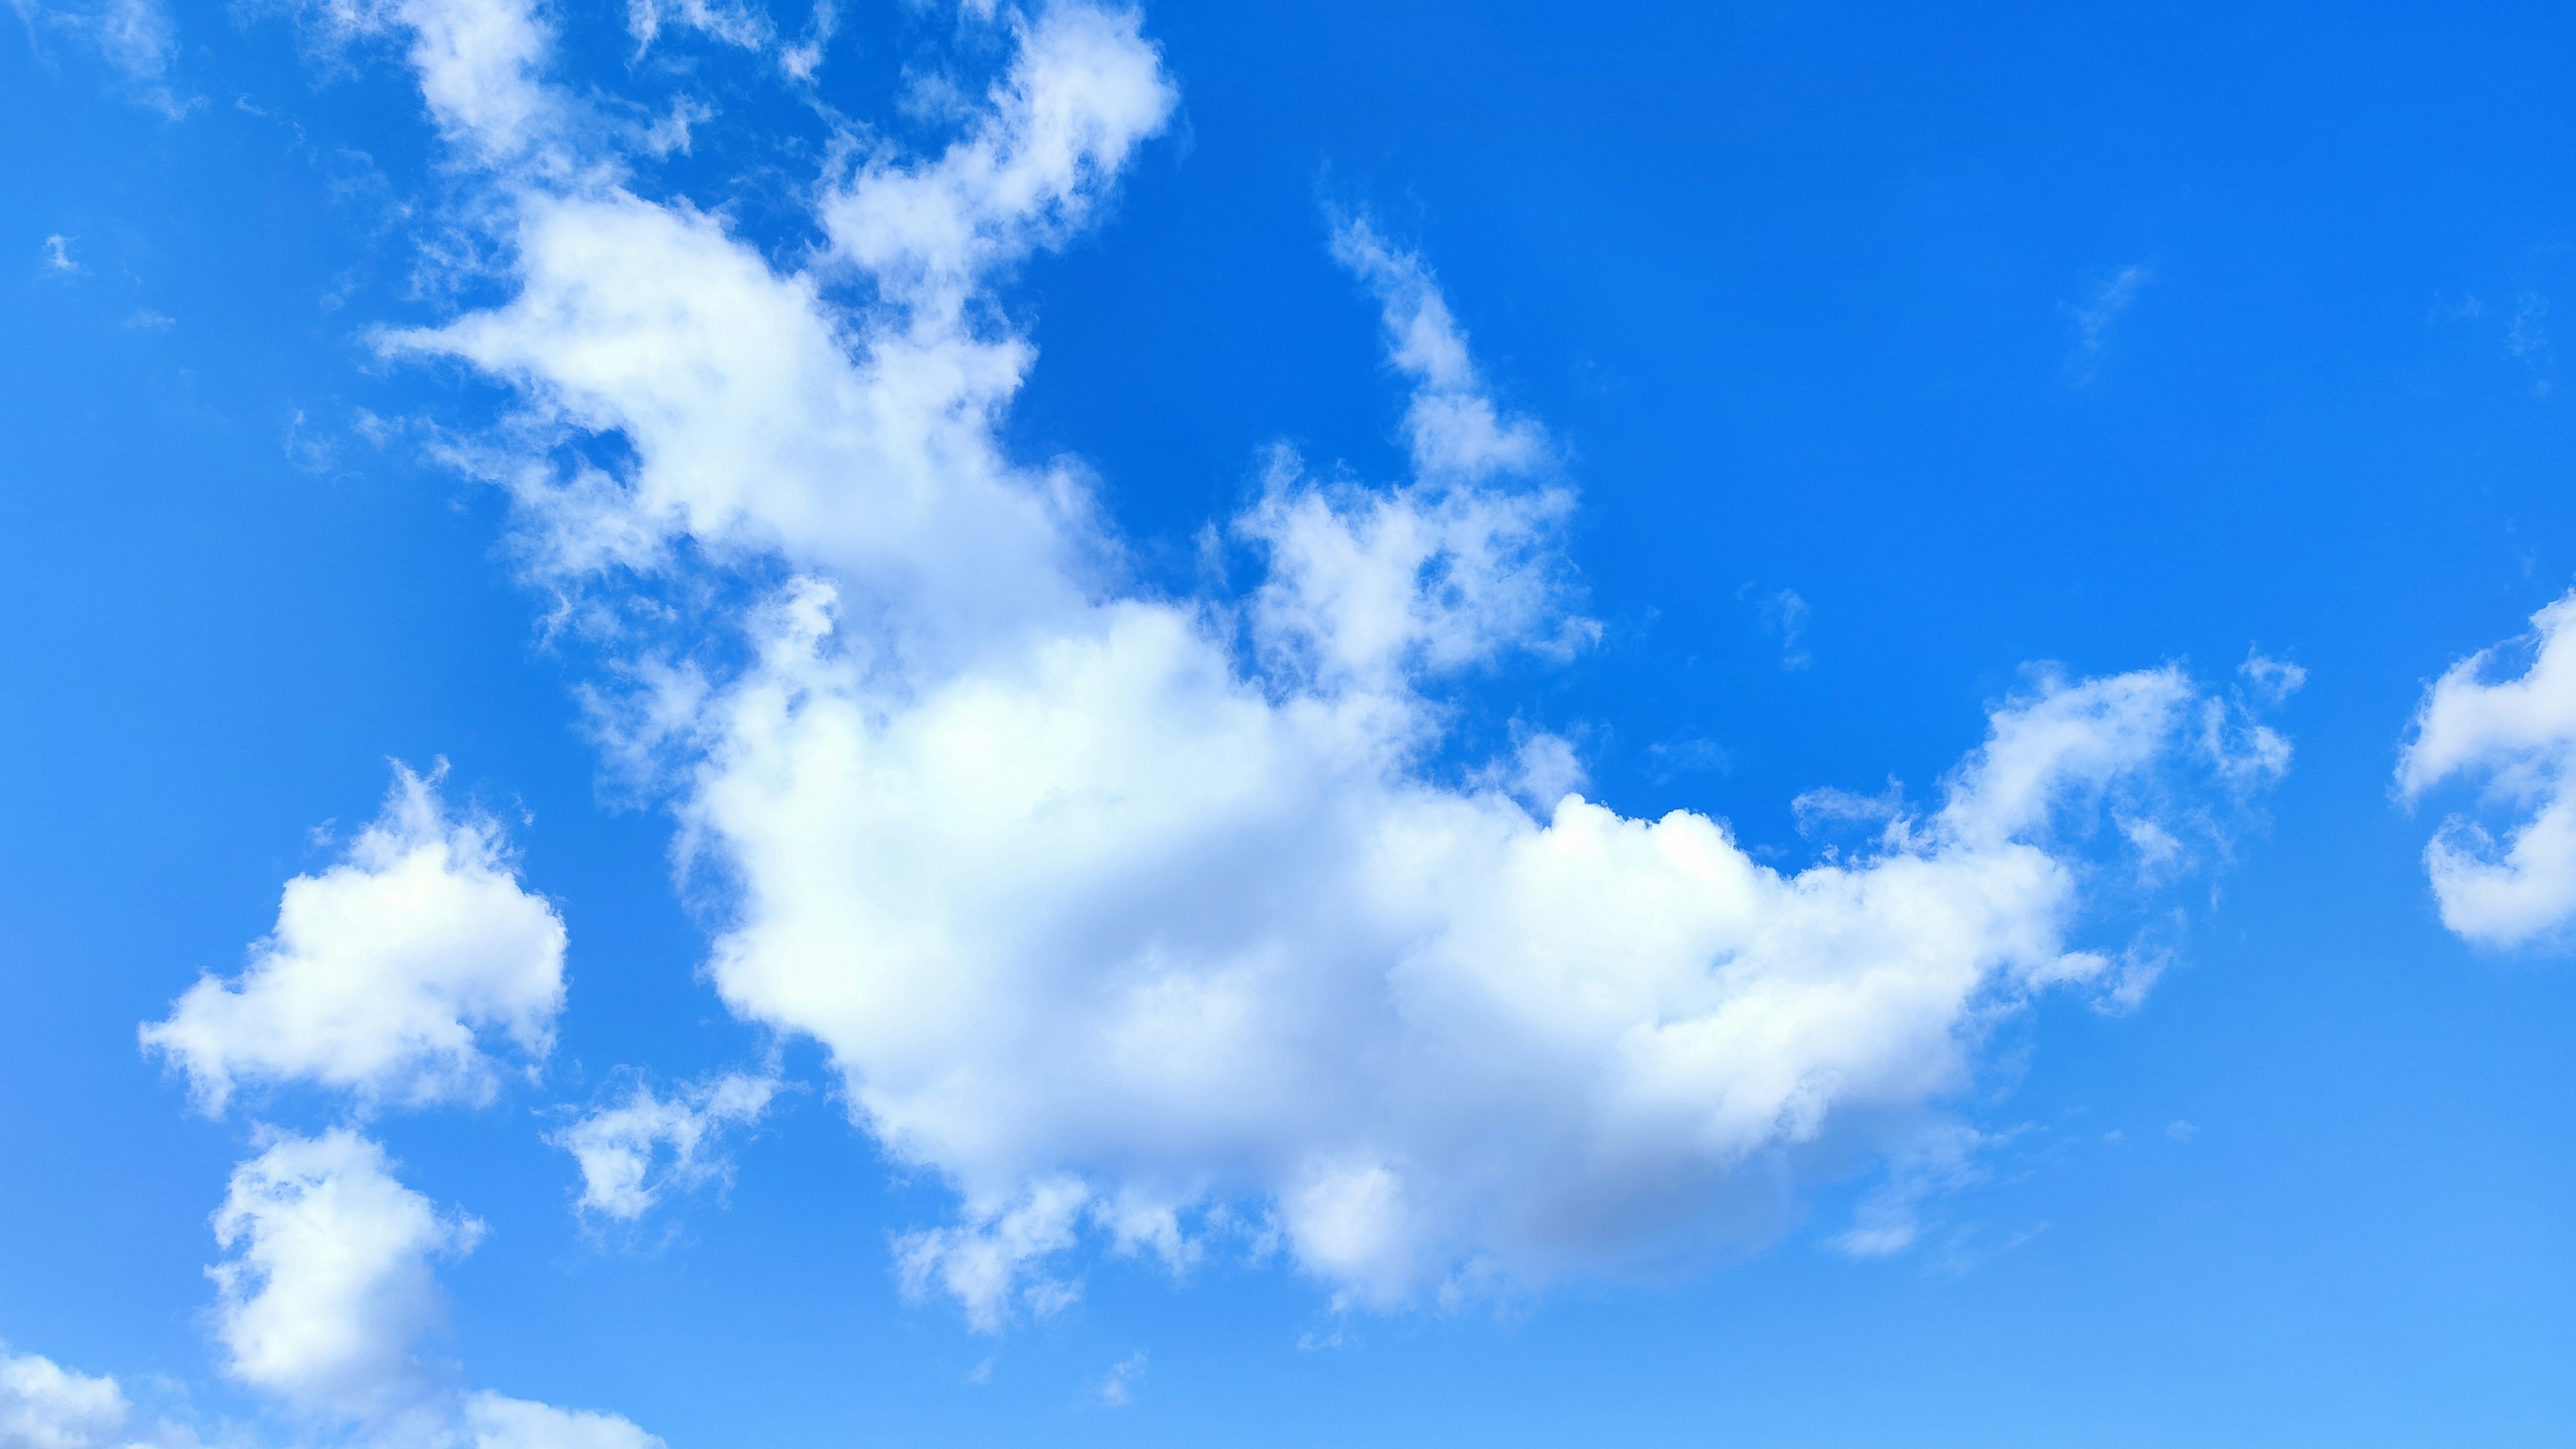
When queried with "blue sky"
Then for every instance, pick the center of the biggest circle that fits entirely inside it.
(857, 727)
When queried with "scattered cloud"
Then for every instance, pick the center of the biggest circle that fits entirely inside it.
(2528, 338)
(58, 254)
(2515, 736)
(645, 1145)
(2093, 318)
(388, 974)
(800, 61)
(330, 1303)
(739, 25)
(135, 38)
(46, 1406)
(1784, 619)
(1120, 1386)
(2179, 1130)
(1940, 1159)
(672, 132)
(383, 979)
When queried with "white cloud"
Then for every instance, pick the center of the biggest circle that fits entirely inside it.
(58, 255)
(619, 1146)
(494, 1422)
(986, 1262)
(46, 1406)
(2094, 316)
(800, 61)
(2516, 737)
(388, 973)
(136, 38)
(329, 1291)
(1940, 1159)
(1119, 1388)
(478, 63)
(1784, 617)
(733, 24)
(330, 1299)
(1132, 916)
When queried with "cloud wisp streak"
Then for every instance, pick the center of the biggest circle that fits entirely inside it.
(2094, 317)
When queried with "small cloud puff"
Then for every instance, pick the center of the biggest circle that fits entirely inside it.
(388, 974)
(621, 1146)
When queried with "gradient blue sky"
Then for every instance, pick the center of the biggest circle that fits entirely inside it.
(1890, 352)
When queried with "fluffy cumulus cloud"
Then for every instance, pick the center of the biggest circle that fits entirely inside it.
(330, 1302)
(388, 975)
(1157, 920)
(2514, 736)
(330, 1289)
(646, 1144)
(46, 1406)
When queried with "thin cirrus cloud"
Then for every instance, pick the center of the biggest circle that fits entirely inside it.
(389, 976)
(1153, 922)
(2514, 736)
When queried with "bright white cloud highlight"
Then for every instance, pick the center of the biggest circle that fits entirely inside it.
(2515, 737)
(388, 974)
(1140, 916)
(647, 1145)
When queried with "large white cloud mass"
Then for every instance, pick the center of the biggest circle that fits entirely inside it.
(387, 974)
(2515, 736)
(1142, 915)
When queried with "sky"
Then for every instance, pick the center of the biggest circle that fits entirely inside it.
(1394, 725)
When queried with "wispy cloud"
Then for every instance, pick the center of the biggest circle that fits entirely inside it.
(58, 254)
(1784, 619)
(1120, 1387)
(136, 38)
(2094, 317)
